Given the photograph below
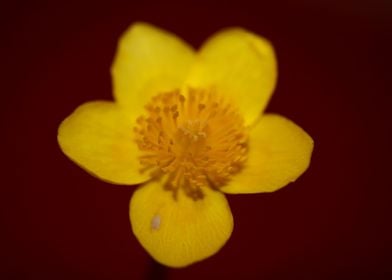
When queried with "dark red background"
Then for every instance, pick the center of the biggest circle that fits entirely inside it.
(58, 222)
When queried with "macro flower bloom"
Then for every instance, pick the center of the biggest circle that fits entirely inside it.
(187, 126)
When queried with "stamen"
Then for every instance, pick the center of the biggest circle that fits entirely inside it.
(198, 140)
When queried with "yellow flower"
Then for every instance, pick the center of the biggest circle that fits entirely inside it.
(189, 127)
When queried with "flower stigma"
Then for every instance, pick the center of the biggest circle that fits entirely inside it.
(195, 140)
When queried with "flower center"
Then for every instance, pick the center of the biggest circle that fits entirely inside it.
(197, 140)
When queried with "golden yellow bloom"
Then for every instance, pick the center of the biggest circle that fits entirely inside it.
(189, 126)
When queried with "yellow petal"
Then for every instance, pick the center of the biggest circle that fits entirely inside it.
(99, 137)
(148, 61)
(183, 231)
(239, 65)
(279, 152)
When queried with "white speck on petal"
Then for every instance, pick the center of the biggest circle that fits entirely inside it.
(156, 222)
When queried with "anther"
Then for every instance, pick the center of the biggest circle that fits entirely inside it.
(201, 107)
(198, 141)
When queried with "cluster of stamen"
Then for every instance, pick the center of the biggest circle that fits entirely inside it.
(193, 141)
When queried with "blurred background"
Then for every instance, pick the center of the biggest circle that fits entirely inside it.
(58, 222)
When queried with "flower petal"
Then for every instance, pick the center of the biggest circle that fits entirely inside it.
(99, 137)
(148, 61)
(239, 65)
(181, 231)
(279, 152)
